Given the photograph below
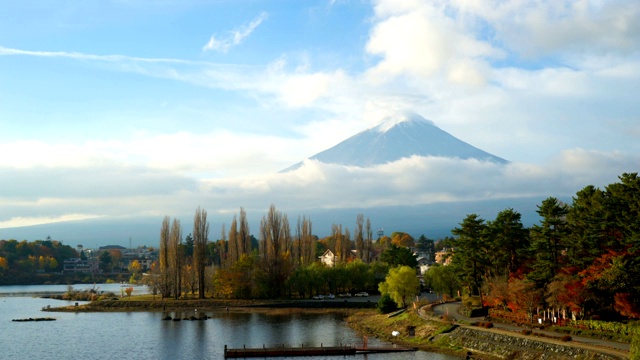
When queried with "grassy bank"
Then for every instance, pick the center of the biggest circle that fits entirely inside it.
(371, 323)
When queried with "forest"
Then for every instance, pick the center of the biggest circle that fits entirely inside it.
(581, 257)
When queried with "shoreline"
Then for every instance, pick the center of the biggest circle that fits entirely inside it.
(429, 334)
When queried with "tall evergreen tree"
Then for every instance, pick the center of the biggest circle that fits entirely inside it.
(589, 226)
(548, 240)
(470, 252)
(508, 241)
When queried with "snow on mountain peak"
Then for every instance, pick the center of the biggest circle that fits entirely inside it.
(392, 120)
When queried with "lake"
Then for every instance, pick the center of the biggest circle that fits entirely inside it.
(144, 335)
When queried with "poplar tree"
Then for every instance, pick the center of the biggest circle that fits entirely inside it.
(359, 236)
(234, 254)
(176, 257)
(276, 245)
(200, 238)
(164, 278)
(244, 235)
(369, 241)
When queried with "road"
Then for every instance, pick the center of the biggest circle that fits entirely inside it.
(452, 310)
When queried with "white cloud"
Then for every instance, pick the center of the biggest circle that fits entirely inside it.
(30, 221)
(418, 39)
(234, 37)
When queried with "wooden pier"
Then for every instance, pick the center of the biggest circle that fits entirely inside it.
(308, 351)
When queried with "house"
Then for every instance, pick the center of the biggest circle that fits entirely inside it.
(328, 258)
(79, 265)
(423, 264)
(444, 256)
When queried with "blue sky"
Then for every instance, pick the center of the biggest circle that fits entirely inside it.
(152, 108)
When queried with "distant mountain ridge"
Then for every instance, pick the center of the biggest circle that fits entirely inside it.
(398, 137)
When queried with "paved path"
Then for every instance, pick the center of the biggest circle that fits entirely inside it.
(578, 341)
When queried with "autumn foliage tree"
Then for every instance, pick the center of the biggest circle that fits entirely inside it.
(401, 284)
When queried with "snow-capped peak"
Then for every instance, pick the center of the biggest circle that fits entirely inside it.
(390, 121)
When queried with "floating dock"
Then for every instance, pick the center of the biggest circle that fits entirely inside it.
(308, 351)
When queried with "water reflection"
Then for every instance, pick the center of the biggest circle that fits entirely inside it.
(144, 335)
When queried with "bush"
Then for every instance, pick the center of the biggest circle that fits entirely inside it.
(526, 332)
(386, 304)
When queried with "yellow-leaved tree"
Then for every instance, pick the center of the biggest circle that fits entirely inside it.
(401, 283)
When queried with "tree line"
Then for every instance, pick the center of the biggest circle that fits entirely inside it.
(33, 256)
(283, 262)
(582, 257)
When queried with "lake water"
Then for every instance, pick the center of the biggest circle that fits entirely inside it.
(144, 335)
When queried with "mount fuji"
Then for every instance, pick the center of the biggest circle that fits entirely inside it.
(398, 137)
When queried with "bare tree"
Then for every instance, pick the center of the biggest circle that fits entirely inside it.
(200, 238)
(309, 242)
(336, 234)
(359, 236)
(233, 246)
(223, 248)
(368, 241)
(244, 235)
(176, 258)
(276, 238)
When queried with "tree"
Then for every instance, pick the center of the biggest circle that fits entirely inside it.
(105, 260)
(358, 234)
(442, 279)
(164, 282)
(244, 235)
(53, 264)
(524, 296)
(508, 242)
(135, 267)
(470, 254)
(306, 242)
(590, 226)
(547, 241)
(188, 246)
(386, 304)
(176, 258)
(398, 256)
(232, 246)
(400, 283)
(200, 238)
(4, 264)
(403, 239)
(427, 246)
(276, 248)
(368, 246)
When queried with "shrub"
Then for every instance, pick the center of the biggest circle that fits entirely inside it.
(386, 304)
(526, 332)
(566, 338)
(487, 325)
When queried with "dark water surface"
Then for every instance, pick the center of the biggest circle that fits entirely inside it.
(144, 335)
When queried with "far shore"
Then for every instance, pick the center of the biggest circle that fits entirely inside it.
(147, 303)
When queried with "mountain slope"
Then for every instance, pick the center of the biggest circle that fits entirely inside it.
(396, 138)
